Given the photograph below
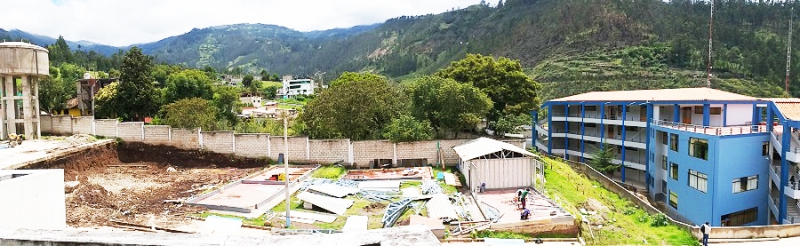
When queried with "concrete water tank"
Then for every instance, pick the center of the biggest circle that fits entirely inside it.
(21, 67)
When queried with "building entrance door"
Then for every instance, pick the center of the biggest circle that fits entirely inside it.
(686, 115)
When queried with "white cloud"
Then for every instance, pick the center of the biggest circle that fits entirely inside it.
(120, 23)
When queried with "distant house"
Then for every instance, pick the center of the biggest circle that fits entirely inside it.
(251, 101)
(294, 87)
(71, 108)
(87, 89)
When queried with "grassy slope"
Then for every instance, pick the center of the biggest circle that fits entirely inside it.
(572, 190)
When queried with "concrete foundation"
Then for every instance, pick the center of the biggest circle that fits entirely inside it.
(32, 199)
(21, 66)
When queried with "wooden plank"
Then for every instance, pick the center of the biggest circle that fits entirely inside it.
(449, 179)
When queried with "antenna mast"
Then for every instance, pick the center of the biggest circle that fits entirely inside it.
(710, 35)
(789, 51)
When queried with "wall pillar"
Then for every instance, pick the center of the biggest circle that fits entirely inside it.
(622, 167)
(566, 132)
(706, 115)
(725, 115)
(647, 146)
(11, 124)
(602, 126)
(770, 119)
(583, 130)
(676, 113)
(534, 133)
(550, 129)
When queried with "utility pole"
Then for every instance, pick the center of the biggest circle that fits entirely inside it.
(789, 51)
(710, 36)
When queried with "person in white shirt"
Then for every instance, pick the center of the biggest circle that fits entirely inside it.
(705, 229)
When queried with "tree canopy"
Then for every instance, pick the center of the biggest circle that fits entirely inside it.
(356, 106)
(406, 128)
(503, 80)
(137, 97)
(188, 84)
(448, 104)
(190, 113)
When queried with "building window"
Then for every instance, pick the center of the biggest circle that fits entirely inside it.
(698, 109)
(673, 199)
(590, 108)
(664, 162)
(664, 138)
(765, 148)
(745, 184)
(740, 218)
(673, 170)
(673, 142)
(698, 148)
(698, 180)
(715, 111)
(631, 128)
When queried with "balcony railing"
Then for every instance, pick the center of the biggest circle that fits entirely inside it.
(712, 130)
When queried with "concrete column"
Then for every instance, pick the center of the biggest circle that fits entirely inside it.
(706, 115)
(566, 132)
(676, 113)
(549, 129)
(624, 115)
(647, 147)
(26, 106)
(583, 130)
(11, 126)
(38, 112)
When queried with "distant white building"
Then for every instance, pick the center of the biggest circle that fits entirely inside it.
(294, 87)
(251, 101)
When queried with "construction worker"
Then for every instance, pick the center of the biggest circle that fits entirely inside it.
(525, 214)
(517, 198)
(522, 197)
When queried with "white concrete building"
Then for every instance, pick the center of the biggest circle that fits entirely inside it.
(251, 101)
(32, 199)
(294, 87)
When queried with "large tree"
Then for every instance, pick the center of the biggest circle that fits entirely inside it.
(226, 101)
(188, 84)
(190, 113)
(406, 128)
(137, 97)
(502, 79)
(448, 104)
(106, 102)
(356, 106)
(247, 80)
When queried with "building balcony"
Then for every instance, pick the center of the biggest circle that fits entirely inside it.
(792, 189)
(594, 117)
(712, 130)
(794, 147)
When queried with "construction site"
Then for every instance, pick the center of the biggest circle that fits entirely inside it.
(133, 186)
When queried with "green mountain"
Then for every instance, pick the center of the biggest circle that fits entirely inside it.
(570, 46)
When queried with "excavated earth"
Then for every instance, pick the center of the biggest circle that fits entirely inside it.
(139, 183)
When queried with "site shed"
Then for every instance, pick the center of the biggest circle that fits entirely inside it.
(498, 164)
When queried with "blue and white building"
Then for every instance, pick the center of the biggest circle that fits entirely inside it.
(705, 155)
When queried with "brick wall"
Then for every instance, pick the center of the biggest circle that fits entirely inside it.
(297, 148)
(106, 128)
(252, 145)
(130, 131)
(46, 123)
(83, 125)
(329, 150)
(185, 138)
(417, 150)
(366, 151)
(450, 156)
(219, 142)
(62, 125)
(156, 134)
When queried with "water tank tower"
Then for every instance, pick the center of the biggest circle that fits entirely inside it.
(21, 67)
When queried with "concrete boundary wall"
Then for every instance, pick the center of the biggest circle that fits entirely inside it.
(302, 150)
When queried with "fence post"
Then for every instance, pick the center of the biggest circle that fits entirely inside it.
(269, 146)
(233, 142)
(200, 137)
(142, 131)
(308, 149)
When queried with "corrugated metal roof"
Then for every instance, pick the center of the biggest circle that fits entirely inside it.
(334, 190)
(335, 205)
(355, 223)
(484, 146)
(439, 207)
(383, 185)
(683, 94)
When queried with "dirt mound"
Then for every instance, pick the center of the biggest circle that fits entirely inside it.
(375, 207)
(93, 195)
(180, 158)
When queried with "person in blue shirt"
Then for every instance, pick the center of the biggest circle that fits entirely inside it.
(525, 214)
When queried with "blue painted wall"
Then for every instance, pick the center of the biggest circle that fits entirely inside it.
(740, 156)
(729, 157)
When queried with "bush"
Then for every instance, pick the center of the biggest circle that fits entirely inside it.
(329, 172)
(660, 220)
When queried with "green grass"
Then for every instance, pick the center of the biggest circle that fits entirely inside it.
(571, 191)
(329, 172)
(254, 221)
(358, 208)
(448, 189)
(409, 184)
(265, 84)
(518, 235)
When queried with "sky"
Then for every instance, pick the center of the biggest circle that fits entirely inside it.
(126, 22)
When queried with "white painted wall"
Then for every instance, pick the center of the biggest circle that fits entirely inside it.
(739, 114)
(33, 201)
(503, 173)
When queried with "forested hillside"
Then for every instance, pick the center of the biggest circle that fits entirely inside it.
(599, 44)
(570, 46)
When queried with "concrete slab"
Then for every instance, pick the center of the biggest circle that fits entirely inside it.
(355, 223)
(242, 195)
(503, 201)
